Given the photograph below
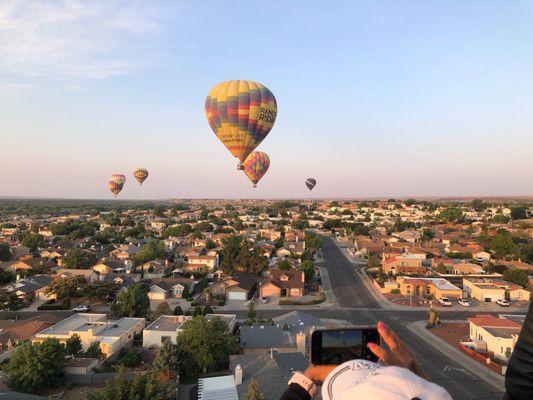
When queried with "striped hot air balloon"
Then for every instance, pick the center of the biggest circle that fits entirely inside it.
(310, 183)
(241, 113)
(256, 165)
(116, 183)
(141, 174)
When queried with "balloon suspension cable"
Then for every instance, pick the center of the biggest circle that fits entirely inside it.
(255, 185)
(240, 167)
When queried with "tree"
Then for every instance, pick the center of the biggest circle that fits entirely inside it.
(65, 287)
(94, 350)
(312, 242)
(451, 214)
(5, 252)
(154, 249)
(79, 259)
(32, 240)
(177, 311)
(251, 311)
(161, 309)
(308, 268)
(185, 294)
(519, 213)
(9, 301)
(73, 345)
(441, 268)
(206, 345)
(254, 391)
(36, 366)
(207, 310)
(284, 265)
(167, 358)
(517, 276)
(132, 302)
(502, 244)
(197, 311)
(141, 387)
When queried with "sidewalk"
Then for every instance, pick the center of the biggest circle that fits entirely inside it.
(483, 373)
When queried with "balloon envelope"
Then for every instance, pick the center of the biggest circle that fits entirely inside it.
(241, 113)
(310, 183)
(256, 165)
(140, 175)
(116, 183)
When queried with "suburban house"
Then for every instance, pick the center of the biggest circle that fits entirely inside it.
(240, 286)
(466, 268)
(167, 327)
(32, 287)
(27, 264)
(485, 290)
(402, 264)
(282, 283)
(494, 335)
(288, 249)
(104, 267)
(112, 335)
(125, 252)
(211, 262)
(13, 332)
(165, 288)
(88, 274)
(262, 339)
(271, 371)
(422, 287)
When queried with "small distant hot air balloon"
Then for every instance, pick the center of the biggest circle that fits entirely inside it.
(310, 183)
(116, 183)
(241, 113)
(256, 165)
(141, 174)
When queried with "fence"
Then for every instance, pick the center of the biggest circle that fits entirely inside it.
(88, 379)
(482, 359)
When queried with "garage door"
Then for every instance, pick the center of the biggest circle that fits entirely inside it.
(237, 295)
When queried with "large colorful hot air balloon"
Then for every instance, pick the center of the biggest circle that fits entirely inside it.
(310, 183)
(241, 113)
(141, 174)
(256, 165)
(116, 183)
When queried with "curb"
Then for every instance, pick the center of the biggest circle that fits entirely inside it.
(490, 377)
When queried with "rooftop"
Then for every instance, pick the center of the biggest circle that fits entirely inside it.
(167, 323)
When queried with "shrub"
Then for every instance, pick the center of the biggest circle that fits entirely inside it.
(50, 305)
(131, 359)
(290, 302)
(395, 291)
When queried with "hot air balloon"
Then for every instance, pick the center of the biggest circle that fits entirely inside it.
(116, 183)
(310, 183)
(141, 174)
(256, 165)
(241, 113)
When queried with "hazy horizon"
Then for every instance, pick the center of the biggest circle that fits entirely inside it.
(375, 98)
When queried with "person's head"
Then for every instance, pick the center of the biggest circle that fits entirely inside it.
(362, 380)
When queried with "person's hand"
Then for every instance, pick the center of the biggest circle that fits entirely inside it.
(398, 354)
(318, 373)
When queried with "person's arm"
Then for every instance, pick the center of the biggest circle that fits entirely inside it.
(316, 374)
(519, 375)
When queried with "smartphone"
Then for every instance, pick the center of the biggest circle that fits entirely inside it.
(335, 346)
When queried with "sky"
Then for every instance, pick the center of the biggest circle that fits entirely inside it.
(375, 98)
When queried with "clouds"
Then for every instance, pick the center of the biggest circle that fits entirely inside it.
(74, 40)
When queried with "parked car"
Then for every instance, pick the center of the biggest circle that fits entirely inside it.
(444, 301)
(503, 303)
(82, 308)
(265, 300)
(463, 302)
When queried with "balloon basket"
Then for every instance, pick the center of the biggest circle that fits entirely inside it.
(240, 167)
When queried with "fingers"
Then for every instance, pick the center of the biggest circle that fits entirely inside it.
(380, 352)
(388, 336)
(318, 373)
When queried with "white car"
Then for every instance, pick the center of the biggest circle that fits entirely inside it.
(444, 301)
(84, 308)
(463, 302)
(265, 300)
(503, 303)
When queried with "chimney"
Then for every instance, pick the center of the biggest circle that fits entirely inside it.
(302, 275)
(238, 375)
(300, 343)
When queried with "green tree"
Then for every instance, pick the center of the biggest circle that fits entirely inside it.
(177, 311)
(5, 252)
(502, 244)
(185, 294)
(206, 345)
(79, 259)
(32, 240)
(94, 350)
(154, 249)
(451, 214)
(517, 276)
(284, 265)
(66, 287)
(251, 311)
(308, 268)
(207, 310)
(36, 366)
(73, 345)
(132, 302)
(161, 309)
(197, 311)
(9, 301)
(441, 268)
(519, 212)
(167, 359)
(254, 391)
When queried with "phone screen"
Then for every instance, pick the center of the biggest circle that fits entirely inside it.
(333, 347)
